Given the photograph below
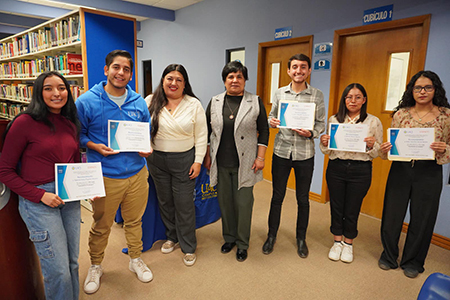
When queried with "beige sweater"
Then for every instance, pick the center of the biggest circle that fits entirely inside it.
(182, 130)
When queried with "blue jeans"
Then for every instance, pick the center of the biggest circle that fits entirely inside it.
(55, 233)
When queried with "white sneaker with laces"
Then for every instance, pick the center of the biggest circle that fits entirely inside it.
(189, 259)
(335, 251)
(347, 253)
(143, 273)
(92, 282)
(168, 246)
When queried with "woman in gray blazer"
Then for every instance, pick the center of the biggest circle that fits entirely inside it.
(238, 137)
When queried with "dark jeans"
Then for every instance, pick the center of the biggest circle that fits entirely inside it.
(175, 191)
(348, 182)
(418, 185)
(281, 168)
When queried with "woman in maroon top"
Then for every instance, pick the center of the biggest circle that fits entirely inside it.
(45, 134)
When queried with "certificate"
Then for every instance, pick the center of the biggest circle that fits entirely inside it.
(298, 115)
(128, 136)
(411, 143)
(348, 137)
(79, 181)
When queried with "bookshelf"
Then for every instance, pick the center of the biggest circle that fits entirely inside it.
(74, 44)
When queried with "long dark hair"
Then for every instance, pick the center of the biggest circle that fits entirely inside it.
(439, 98)
(38, 110)
(342, 112)
(159, 99)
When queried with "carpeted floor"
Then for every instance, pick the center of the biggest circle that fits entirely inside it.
(280, 275)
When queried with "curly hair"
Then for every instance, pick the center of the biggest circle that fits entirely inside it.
(439, 99)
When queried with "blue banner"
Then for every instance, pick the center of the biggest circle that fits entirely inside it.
(112, 138)
(283, 108)
(61, 189)
(392, 139)
(207, 208)
(333, 130)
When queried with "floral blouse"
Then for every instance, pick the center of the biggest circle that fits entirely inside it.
(403, 119)
(375, 130)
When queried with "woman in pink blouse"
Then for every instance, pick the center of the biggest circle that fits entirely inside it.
(349, 174)
(417, 183)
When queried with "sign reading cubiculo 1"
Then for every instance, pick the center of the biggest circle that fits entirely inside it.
(378, 15)
(283, 33)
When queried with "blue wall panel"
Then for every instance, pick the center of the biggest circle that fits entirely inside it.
(103, 35)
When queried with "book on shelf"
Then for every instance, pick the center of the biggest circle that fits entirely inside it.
(11, 110)
(66, 64)
(74, 64)
(58, 33)
(22, 92)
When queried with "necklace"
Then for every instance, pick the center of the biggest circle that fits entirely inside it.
(420, 118)
(231, 111)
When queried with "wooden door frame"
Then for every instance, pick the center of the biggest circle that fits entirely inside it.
(424, 21)
(262, 49)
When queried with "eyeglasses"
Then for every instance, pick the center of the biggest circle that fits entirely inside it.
(427, 88)
(356, 98)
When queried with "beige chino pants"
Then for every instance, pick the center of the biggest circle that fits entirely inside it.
(132, 195)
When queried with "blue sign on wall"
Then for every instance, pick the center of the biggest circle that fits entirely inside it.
(283, 33)
(322, 65)
(378, 15)
(322, 49)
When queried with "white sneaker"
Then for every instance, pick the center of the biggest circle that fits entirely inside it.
(189, 259)
(335, 251)
(168, 246)
(347, 253)
(92, 282)
(143, 273)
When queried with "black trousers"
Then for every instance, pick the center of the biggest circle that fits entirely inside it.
(418, 184)
(348, 182)
(281, 168)
(175, 191)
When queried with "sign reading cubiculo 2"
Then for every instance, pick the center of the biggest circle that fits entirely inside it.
(283, 33)
(378, 15)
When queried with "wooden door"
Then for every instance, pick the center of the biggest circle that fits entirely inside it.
(272, 53)
(362, 55)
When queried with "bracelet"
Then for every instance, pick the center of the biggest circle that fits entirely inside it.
(260, 158)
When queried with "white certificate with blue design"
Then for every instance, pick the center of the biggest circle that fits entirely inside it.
(348, 137)
(296, 115)
(129, 136)
(79, 181)
(411, 143)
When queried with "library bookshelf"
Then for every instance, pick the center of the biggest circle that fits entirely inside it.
(74, 44)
